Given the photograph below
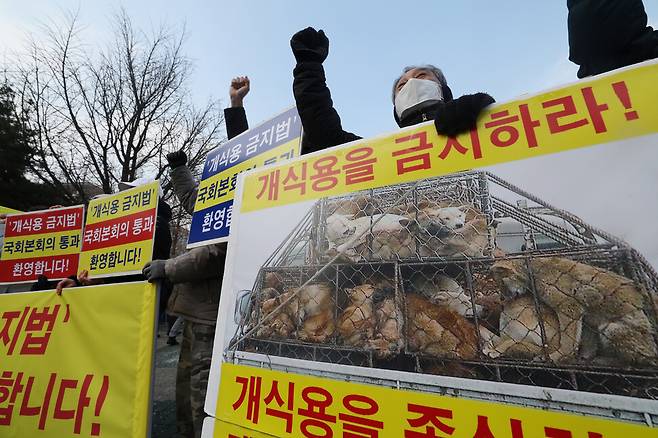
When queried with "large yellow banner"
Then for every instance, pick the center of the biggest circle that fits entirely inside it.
(604, 109)
(118, 237)
(78, 364)
(292, 405)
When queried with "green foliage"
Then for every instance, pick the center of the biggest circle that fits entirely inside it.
(16, 151)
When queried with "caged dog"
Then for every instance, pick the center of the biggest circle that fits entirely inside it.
(372, 320)
(313, 306)
(585, 298)
(387, 233)
(388, 339)
(439, 331)
(308, 312)
(356, 324)
(443, 229)
(427, 229)
(520, 331)
(444, 232)
(444, 290)
(279, 326)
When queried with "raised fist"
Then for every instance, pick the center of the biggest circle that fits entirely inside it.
(310, 45)
(238, 90)
(176, 159)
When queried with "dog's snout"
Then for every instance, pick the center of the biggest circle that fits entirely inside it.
(437, 230)
(459, 225)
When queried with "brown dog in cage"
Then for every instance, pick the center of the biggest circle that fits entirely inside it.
(372, 320)
(307, 312)
(356, 325)
(313, 305)
(278, 326)
(388, 339)
(439, 331)
(584, 295)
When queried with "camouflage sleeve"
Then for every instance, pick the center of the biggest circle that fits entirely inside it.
(197, 264)
(185, 187)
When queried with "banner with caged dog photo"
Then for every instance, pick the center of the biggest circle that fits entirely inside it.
(521, 254)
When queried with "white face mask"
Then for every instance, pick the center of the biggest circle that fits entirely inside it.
(416, 92)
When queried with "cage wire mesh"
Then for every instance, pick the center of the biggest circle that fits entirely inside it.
(464, 275)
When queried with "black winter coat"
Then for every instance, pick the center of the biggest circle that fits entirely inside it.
(321, 122)
(236, 121)
(609, 34)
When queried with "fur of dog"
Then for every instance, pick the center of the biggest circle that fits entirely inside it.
(354, 207)
(388, 245)
(439, 331)
(388, 339)
(388, 236)
(428, 228)
(314, 306)
(356, 324)
(581, 294)
(445, 291)
(339, 228)
(520, 331)
(274, 280)
(279, 326)
(437, 240)
(444, 229)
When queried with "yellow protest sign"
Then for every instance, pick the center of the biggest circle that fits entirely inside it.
(118, 237)
(213, 191)
(41, 243)
(291, 405)
(611, 107)
(7, 210)
(68, 370)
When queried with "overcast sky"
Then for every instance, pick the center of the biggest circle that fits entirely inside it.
(504, 48)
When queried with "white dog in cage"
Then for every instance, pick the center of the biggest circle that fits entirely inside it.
(444, 290)
(388, 234)
(446, 232)
(426, 229)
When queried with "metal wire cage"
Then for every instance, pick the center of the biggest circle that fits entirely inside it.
(464, 275)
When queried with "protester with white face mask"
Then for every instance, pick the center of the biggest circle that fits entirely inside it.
(415, 95)
(420, 94)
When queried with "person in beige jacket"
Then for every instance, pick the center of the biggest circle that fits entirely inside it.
(197, 279)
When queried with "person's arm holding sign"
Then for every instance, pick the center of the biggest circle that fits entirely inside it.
(82, 279)
(197, 264)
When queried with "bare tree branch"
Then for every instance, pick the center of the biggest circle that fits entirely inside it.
(103, 115)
